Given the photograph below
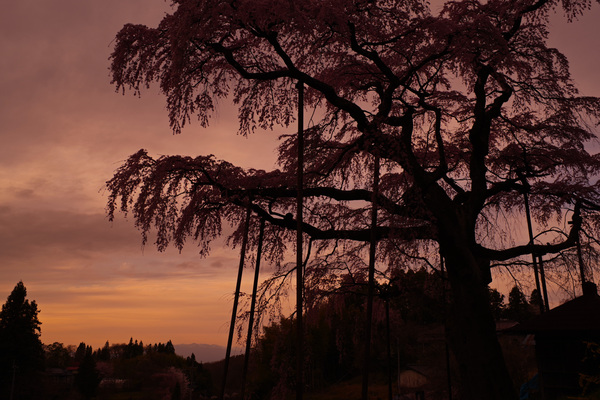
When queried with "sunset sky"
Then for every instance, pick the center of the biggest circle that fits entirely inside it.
(64, 130)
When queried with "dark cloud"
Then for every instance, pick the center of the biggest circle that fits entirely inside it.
(22, 234)
(88, 248)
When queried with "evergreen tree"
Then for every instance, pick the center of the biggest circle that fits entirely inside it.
(169, 348)
(21, 351)
(497, 303)
(518, 307)
(534, 301)
(80, 352)
(87, 378)
(104, 352)
(199, 377)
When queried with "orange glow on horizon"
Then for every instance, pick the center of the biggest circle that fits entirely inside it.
(65, 131)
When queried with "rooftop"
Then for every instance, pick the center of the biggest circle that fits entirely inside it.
(580, 315)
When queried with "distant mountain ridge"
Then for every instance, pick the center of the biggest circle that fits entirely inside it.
(204, 352)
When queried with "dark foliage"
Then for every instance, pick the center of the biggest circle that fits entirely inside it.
(88, 378)
(518, 308)
(21, 351)
(334, 334)
(132, 370)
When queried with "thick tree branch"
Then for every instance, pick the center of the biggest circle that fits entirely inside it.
(328, 91)
(421, 232)
(384, 202)
(244, 73)
(537, 249)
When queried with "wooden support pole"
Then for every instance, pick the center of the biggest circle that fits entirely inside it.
(447, 348)
(543, 278)
(299, 264)
(388, 340)
(371, 282)
(533, 256)
(235, 302)
(252, 306)
(581, 264)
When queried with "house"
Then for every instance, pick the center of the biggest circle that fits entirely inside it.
(562, 337)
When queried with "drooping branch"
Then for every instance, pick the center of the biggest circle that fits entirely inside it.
(199, 187)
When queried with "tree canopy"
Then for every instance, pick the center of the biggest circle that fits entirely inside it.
(21, 350)
(468, 109)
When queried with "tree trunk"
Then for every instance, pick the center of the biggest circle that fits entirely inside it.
(471, 330)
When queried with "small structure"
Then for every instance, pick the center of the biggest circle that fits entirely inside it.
(413, 380)
(561, 341)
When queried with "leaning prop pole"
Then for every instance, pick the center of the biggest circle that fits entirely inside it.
(235, 301)
(533, 256)
(388, 340)
(252, 306)
(299, 263)
(445, 304)
(581, 264)
(371, 283)
(543, 278)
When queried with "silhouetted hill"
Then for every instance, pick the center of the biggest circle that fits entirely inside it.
(204, 353)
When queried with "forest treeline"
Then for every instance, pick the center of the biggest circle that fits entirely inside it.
(30, 370)
(153, 371)
(407, 330)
